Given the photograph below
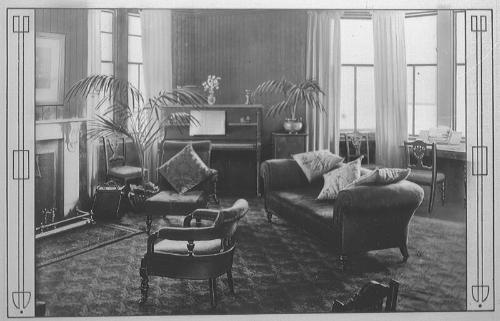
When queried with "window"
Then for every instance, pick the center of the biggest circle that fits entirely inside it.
(357, 101)
(421, 60)
(459, 110)
(107, 47)
(135, 65)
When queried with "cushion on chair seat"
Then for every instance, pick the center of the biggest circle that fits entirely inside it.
(424, 177)
(180, 247)
(125, 171)
(171, 202)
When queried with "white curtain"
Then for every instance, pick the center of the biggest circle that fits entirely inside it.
(157, 58)
(93, 68)
(323, 64)
(390, 87)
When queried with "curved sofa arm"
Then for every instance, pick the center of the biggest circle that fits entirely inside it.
(281, 173)
(372, 199)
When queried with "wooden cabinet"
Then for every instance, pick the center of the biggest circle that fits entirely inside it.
(285, 145)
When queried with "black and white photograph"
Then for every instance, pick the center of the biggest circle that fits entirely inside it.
(304, 160)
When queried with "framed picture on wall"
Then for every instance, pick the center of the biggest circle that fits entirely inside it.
(49, 68)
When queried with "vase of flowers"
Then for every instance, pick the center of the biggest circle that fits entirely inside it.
(211, 85)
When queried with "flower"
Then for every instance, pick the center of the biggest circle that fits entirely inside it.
(211, 84)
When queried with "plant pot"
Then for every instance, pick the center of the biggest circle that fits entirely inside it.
(292, 126)
(137, 199)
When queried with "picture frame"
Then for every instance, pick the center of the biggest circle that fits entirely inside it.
(49, 68)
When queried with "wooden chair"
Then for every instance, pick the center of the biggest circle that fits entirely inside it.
(353, 142)
(115, 164)
(196, 253)
(168, 201)
(371, 299)
(421, 173)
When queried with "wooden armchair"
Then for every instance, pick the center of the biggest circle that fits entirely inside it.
(197, 253)
(371, 298)
(168, 201)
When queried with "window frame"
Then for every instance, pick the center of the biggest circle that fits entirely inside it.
(113, 33)
(137, 64)
(455, 71)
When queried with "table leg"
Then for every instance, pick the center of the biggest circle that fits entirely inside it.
(149, 221)
(465, 184)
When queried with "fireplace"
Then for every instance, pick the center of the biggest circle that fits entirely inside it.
(57, 176)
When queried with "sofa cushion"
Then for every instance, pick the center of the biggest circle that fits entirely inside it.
(382, 176)
(302, 201)
(338, 179)
(185, 170)
(316, 163)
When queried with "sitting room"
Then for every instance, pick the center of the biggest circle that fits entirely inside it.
(263, 161)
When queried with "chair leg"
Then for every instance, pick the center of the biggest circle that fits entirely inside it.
(443, 192)
(149, 222)
(213, 292)
(144, 282)
(432, 196)
(230, 281)
(343, 262)
(404, 251)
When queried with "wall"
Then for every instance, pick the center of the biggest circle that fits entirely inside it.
(244, 48)
(72, 23)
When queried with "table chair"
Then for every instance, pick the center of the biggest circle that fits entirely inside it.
(371, 298)
(353, 142)
(421, 173)
(115, 164)
(194, 252)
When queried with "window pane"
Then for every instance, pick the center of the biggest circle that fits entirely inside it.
(425, 98)
(141, 78)
(420, 38)
(357, 41)
(134, 25)
(133, 75)
(365, 98)
(347, 99)
(107, 68)
(106, 47)
(460, 100)
(134, 49)
(106, 21)
(460, 32)
(409, 99)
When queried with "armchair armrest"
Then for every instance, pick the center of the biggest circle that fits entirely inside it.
(201, 214)
(281, 173)
(367, 200)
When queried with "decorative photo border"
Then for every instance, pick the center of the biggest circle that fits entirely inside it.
(20, 146)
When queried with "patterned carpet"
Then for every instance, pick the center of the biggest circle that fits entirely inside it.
(278, 268)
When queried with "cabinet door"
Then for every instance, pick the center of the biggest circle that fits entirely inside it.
(286, 146)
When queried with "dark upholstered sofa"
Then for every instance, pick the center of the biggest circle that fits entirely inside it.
(361, 219)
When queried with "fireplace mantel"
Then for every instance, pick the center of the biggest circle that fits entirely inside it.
(67, 130)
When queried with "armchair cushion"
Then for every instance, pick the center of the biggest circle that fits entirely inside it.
(180, 247)
(314, 164)
(338, 179)
(125, 172)
(185, 170)
(170, 202)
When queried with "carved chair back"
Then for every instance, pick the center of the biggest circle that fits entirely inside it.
(415, 153)
(353, 142)
(371, 298)
(115, 153)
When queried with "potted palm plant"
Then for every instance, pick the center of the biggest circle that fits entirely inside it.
(125, 112)
(294, 95)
